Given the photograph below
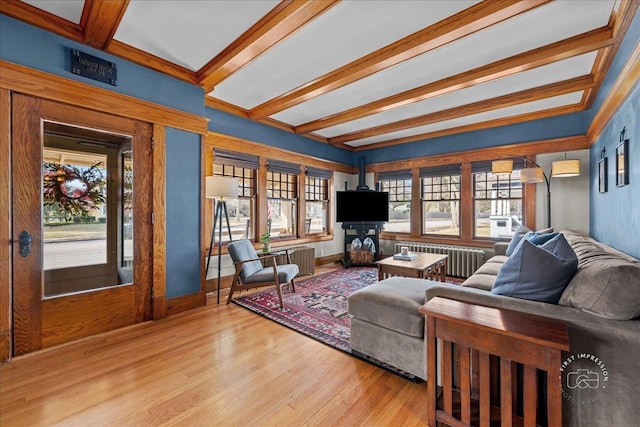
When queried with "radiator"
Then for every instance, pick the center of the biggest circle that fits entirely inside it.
(303, 256)
(461, 262)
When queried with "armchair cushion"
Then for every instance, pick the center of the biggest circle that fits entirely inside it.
(285, 274)
(243, 250)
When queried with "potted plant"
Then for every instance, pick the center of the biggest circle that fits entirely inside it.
(265, 239)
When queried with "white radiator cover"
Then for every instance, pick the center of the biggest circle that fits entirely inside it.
(461, 262)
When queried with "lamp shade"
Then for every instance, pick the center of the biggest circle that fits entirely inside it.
(565, 168)
(531, 175)
(221, 186)
(502, 166)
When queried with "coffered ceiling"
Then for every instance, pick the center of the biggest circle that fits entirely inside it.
(361, 74)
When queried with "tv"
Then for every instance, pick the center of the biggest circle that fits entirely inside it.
(362, 206)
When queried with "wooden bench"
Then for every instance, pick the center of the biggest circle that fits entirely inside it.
(478, 332)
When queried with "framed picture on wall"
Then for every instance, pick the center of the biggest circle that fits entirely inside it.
(622, 163)
(602, 175)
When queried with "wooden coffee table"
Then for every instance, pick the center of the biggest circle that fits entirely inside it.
(424, 266)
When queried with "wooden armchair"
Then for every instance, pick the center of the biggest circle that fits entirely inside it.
(250, 273)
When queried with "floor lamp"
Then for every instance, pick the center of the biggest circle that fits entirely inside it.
(217, 188)
(535, 174)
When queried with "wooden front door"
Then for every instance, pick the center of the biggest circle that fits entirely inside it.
(78, 296)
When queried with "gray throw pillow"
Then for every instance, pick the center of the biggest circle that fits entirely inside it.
(538, 273)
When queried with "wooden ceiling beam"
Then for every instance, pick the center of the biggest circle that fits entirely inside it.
(42, 19)
(286, 18)
(544, 55)
(146, 59)
(529, 95)
(227, 107)
(100, 21)
(531, 148)
(468, 21)
(504, 121)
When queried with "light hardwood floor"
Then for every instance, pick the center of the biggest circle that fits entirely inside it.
(213, 366)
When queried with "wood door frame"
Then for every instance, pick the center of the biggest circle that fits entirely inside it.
(6, 272)
(38, 322)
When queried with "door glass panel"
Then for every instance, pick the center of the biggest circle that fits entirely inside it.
(74, 211)
(87, 196)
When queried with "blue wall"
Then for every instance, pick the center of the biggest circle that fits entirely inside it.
(26, 45)
(552, 127)
(615, 215)
(23, 44)
(230, 124)
(183, 212)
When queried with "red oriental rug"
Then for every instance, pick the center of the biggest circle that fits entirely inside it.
(318, 308)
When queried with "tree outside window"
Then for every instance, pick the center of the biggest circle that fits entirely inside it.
(241, 210)
(399, 204)
(281, 204)
(441, 205)
(317, 200)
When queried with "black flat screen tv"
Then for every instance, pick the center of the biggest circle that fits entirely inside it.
(362, 206)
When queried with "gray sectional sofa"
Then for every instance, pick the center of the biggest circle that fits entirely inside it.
(600, 306)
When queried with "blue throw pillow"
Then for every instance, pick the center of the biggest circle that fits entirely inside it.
(537, 238)
(515, 240)
(538, 273)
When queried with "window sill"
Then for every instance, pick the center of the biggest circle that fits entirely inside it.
(440, 240)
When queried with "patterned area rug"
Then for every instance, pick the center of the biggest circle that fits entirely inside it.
(318, 308)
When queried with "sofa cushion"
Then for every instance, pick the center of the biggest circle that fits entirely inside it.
(480, 281)
(607, 283)
(392, 303)
(490, 268)
(500, 259)
(538, 273)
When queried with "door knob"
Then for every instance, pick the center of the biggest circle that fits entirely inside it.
(25, 243)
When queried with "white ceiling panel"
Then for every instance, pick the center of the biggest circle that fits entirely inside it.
(188, 32)
(346, 32)
(309, 42)
(71, 10)
(519, 34)
(557, 71)
(530, 107)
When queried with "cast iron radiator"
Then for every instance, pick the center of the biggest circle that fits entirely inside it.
(303, 256)
(462, 262)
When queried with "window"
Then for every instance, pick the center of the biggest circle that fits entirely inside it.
(497, 203)
(282, 196)
(441, 205)
(317, 201)
(398, 184)
(241, 210)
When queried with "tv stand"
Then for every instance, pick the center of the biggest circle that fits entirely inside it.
(361, 230)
